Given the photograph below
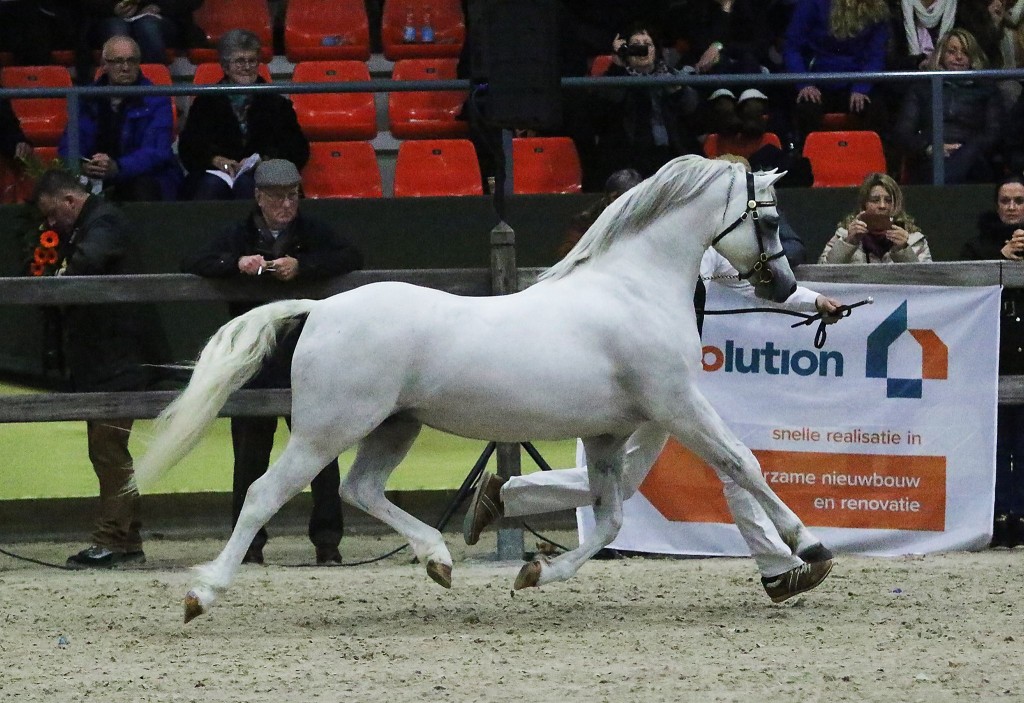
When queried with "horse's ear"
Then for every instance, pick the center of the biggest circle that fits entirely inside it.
(775, 175)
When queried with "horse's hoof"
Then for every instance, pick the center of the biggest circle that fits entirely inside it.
(441, 573)
(528, 576)
(816, 553)
(193, 607)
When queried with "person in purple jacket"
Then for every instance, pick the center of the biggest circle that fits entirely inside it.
(837, 36)
(125, 142)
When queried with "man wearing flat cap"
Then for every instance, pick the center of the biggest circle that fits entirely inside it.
(276, 241)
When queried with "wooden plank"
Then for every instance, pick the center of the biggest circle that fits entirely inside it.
(183, 287)
(51, 407)
(952, 273)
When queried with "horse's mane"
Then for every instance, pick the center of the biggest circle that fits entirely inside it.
(675, 184)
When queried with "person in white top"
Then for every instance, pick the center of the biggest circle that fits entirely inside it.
(783, 574)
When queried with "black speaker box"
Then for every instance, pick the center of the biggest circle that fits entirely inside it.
(519, 52)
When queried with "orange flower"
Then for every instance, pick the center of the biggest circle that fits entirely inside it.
(49, 239)
(51, 255)
(37, 269)
(39, 256)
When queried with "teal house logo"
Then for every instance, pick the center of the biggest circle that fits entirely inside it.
(934, 355)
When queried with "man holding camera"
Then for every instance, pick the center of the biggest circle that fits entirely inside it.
(277, 243)
(646, 126)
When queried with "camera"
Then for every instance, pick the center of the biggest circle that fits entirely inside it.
(627, 50)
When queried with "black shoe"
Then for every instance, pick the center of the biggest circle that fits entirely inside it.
(328, 555)
(97, 557)
(253, 555)
(1000, 531)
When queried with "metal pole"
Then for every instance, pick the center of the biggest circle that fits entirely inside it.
(505, 280)
(938, 135)
(74, 135)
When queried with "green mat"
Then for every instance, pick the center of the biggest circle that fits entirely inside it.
(50, 460)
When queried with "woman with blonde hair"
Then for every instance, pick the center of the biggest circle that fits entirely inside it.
(837, 36)
(880, 232)
(971, 115)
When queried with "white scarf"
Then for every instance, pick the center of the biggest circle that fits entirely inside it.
(914, 13)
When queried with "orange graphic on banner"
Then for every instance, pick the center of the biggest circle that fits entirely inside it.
(880, 491)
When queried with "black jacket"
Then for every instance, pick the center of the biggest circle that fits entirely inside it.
(10, 129)
(212, 130)
(992, 236)
(320, 251)
(106, 346)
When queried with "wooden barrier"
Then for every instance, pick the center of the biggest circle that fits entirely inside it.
(48, 407)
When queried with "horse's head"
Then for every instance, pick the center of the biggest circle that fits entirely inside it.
(751, 243)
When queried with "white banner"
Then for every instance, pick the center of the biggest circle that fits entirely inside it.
(883, 441)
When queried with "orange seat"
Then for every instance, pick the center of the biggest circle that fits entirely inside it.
(545, 165)
(840, 121)
(342, 170)
(211, 72)
(431, 114)
(445, 18)
(715, 145)
(334, 116)
(600, 64)
(841, 159)
(317, 31)
(216, 17)
(42, 119)
(437, 167)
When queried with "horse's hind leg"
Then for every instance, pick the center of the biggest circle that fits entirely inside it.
(605, 457)
(701, 429)
(300, 462)
(378, 455)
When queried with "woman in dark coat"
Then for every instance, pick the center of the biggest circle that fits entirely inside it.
(222, 131)
(1001, 238)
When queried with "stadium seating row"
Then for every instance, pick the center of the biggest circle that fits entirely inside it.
(427, 167)
(323, 117)
(315, 30)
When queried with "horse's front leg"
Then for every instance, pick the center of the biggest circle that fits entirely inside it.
(698, 426)
(293, 471)
(605, 456)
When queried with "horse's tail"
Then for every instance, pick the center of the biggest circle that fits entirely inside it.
(232, 356)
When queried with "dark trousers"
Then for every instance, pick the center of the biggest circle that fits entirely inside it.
(1010, 460)
(117, 526)
(252, 439)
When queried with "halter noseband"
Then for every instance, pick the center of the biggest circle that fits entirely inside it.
(765, 274)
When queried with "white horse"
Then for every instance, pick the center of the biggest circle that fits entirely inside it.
(605, 342)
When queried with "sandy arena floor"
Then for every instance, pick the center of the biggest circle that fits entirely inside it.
(941, 628)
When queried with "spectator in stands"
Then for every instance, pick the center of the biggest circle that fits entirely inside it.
(224, 131)
(13, 143)
(277, 240)
(105, 350)
(32, 29)
(645, 126)
(917, 27)
(156, 25)
(127, 140)
(971, 116)
(1001, 238)
(991, 23)
(830, 36)
(880, 231)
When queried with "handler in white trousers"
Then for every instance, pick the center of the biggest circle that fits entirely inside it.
(783, 574)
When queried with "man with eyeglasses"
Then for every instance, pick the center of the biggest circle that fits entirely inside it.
(125, 141)
(277, 242)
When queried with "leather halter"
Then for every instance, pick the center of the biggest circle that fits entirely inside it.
(760, 267)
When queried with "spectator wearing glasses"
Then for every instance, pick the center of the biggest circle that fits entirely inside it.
(277, 242)
(222, 132)
(125, 142)
(156, 25)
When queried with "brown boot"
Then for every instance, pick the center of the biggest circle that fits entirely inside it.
(485, 508)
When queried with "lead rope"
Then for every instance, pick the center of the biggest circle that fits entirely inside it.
(821, 318)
